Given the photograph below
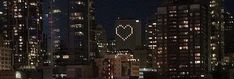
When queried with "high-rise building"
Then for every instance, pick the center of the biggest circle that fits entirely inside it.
(144, 55)
(22, 31)
(101, 41)
(5, 56)
(128, 34)
(216, 32)
(228, 33)
(5, 32)
(71, 40)
(228, 38)
(5, 50)
(178, 35)
(92, 30)
(111, 46)
(70, 30)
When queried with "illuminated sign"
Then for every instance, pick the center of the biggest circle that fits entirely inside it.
(121, 27)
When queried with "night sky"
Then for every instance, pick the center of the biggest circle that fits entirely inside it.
(107, 11)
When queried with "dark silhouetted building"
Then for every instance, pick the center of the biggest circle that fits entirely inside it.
(229, 33)
(71, 35)
(69, 31)
(216, 25)
(101, 41)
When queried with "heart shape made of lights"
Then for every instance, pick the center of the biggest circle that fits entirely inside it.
(127, 27)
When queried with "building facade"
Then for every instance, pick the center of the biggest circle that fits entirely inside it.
(178, 35)
(71, 40)
(22, 31)
(216, 32)
(101, 41)
(70, 30)
(5, 56)
(117, 66)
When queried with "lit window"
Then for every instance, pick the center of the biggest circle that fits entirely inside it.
(57, 56)
(150, 32)
(181, 48)
(185, 22)
(197, 47)
(183, 26)
(182, 73)
(33, 4)
(185, 40)
(197, 54)
(56, 11)
(20, 16)
(213, 48)
(212, 37)
(197, 28)
(213, 55)
(212, 12)
(150, 26)
(214, 59)
(197, 62)
(202, 75)
(20, 39)
(212, 5)
(65, 56)
(137, 20)
(80, 2)
(79, 33)
(76, 26)
(150, 38)
(56, 30)
(172, 11)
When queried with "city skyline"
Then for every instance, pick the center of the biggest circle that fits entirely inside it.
(109, 10)
(116, 39)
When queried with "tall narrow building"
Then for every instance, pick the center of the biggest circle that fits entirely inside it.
(6, 35)
(71, 40)
(70, 30)
(78, 32)
(178, 35)
(22, 29)
(216, 32)
(229, 33)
